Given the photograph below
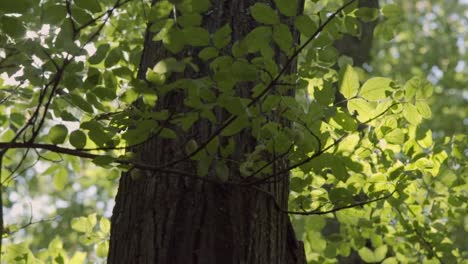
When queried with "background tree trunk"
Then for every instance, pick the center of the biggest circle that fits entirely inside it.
(163, 218)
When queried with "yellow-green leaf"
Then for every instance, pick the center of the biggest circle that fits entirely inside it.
(374, 89)
(410, 112)
(349, 83)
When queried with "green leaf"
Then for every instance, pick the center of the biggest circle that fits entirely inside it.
(12, 26)
(222, 171)
(60, 179)
(90, 5)
(191, 146)
(168, 133)
(410, 112)
(102, 249)
(374, 89)
(204, 165)
(426, 141)
(105, 93)
(17, 6)
(78, 258)
(54, 13)
(287, 7)
(190, 20)
(222, 37)
(352, 25)
(103, 160)
(340, 195)
(81, 16)
(417, 87)
(104, 225)
(257, 38)
(236, 126)
(196, 36)
(160, 10)
(96, 132)
(100, 54)
(370, 256)
(58, 134)
(64, 39)
(380, 253)
(82, 224)
(264, 14)
(244, 71)
(78, 139)
(391, 260)
(208, 53)
(324, 95)
(362, 108)
(305, 25)
(154, 77)
(367, 14)
(188, 6)
(113, 57)
(423, 109)
(282, 37)
(345, 121)
(349, 82)
(77, 100)
(391, 10)
(396, 136)
(169, 65)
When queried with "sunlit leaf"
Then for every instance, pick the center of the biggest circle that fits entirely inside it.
(349, 82)
(410, 112)
(375, 88)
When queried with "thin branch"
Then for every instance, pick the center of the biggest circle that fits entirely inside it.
(286, 170)
(86, 155)
(30, 222)
(315, 155)
(72, 21)
(107, 12)
(420, 236)
(56, 81)
(269, 87)
(273, 161)
(22, 160)
(317, 211)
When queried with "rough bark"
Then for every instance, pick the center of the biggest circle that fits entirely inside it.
(163, 218)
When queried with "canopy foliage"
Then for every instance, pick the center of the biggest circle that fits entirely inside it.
(380, 174)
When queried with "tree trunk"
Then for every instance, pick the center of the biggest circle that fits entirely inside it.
(165, 218)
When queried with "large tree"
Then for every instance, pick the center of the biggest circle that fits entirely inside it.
(164, 217)
(225, 119)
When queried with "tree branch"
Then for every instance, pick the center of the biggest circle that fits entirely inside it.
(317, 211)
(269, 87)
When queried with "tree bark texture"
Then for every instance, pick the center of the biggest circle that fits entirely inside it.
(164, 218)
